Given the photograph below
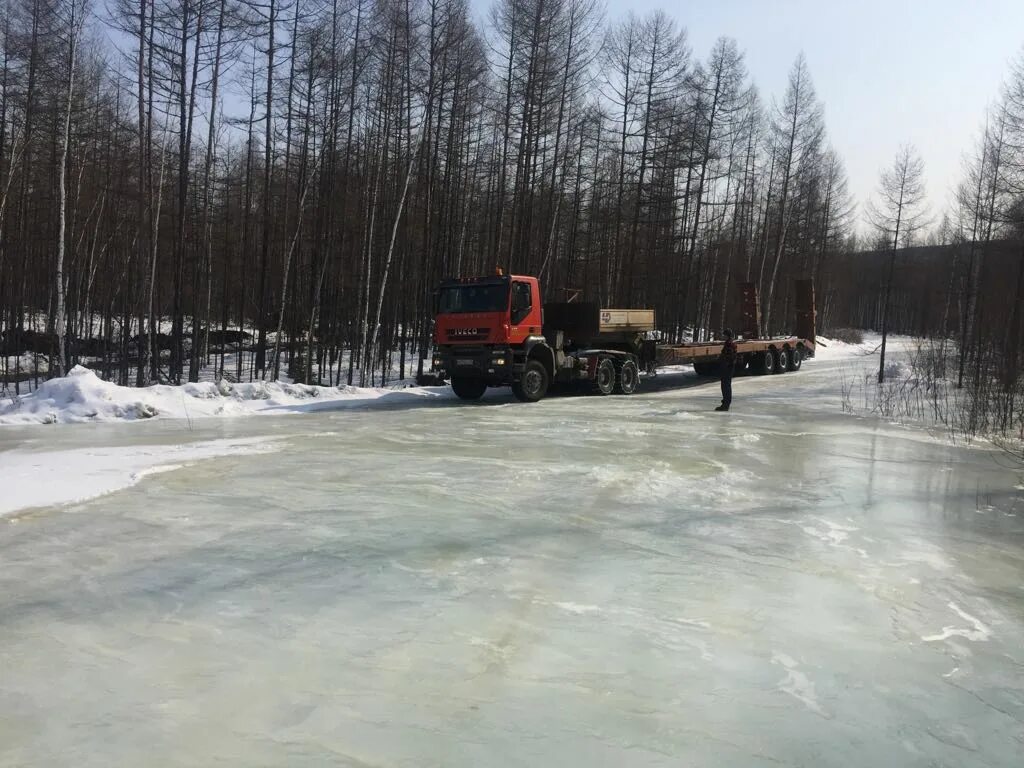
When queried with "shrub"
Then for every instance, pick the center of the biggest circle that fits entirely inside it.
(848, 335)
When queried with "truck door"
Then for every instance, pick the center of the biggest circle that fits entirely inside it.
(520, 310)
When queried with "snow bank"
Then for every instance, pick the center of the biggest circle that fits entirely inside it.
(47, 478)
(834, 349)
(82, 396)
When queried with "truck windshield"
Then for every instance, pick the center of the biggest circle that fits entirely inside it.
(474, 298)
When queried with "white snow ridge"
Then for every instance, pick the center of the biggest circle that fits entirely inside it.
(82, 396)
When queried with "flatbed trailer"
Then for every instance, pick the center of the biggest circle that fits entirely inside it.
(494, 332)
(753, 353)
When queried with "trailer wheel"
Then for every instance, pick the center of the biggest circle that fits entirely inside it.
(533, 384)
(468, 387)
(629, 378)
(763, 362)
(781, 360)
(704, 369)
(604, 379)
(796, 359)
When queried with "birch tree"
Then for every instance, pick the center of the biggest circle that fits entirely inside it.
(75, 12)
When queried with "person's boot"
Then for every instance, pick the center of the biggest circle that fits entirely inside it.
(722, 407)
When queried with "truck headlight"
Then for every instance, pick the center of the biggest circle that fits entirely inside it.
(437, 362)
(498, 361)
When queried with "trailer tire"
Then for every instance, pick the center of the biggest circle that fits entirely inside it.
(533, 383)
(604, 377)
(704, 369)
(781, 360)
(796, 358)
(629, 378)
(468, 387)
(763, 362)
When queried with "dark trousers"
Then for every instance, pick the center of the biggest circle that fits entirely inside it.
(726, 389)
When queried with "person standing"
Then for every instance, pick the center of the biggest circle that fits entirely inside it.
(726, 366)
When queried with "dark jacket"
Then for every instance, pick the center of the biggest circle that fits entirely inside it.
(727, 357)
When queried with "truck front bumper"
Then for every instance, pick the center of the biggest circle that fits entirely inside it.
(495, 365)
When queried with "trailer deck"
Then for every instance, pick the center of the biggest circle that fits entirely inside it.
(683, 354)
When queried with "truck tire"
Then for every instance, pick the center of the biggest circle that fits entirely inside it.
(796, 359)
(533, 383)
(781, 360)
(604, 378)
(629, 378)
(763, 362)
(468, 387)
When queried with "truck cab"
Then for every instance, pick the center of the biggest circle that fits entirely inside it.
(503, 309)
(487, 331)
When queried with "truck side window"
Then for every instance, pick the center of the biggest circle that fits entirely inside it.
(521, 302)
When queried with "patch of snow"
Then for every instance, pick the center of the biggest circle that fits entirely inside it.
(82, 396)
(48, 478)
(834, 349)
(25, 363)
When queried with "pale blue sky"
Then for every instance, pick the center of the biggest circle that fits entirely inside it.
(888, 72)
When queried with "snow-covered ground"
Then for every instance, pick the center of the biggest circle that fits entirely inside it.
(62, 476)
(82, 396)
(586, 581)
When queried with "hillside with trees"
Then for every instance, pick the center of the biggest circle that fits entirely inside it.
(248, 189)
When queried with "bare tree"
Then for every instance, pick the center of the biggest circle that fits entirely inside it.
(75, 19)
(897, 213)
(798, 128)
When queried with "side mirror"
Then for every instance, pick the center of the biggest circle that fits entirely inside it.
(436, 304)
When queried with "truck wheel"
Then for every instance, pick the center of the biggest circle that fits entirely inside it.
(629, 378)
(781, 360)
(533, 384)
(604, 379)
(796, 359)
(468, 388)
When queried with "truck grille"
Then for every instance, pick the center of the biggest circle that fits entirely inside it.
(468, 334)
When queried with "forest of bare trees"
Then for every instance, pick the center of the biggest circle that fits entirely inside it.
(963, 293)
(181, 180)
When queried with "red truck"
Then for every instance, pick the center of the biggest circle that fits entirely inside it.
(495, 332)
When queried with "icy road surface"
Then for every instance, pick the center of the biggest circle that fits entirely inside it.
(584, 582)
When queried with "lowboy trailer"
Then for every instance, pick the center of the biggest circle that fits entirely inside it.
(495, 332)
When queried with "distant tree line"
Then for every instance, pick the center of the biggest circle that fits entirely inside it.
(963, 290)
(181, 180)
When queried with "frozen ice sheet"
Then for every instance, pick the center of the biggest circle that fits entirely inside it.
(600, 582)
